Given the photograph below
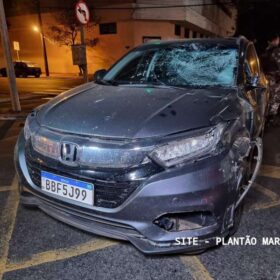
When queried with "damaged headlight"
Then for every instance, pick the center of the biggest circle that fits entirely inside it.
(181, 150)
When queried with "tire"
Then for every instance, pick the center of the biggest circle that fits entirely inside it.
(238, 212)
(37, 75)
(3, 74)
(236, 219)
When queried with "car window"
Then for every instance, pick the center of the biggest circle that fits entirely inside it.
(192, 64)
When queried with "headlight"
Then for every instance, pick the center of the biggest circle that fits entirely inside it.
(26, 130)
(46, 146)
(181, 150)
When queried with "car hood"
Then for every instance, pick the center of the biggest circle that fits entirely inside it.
(137, 112)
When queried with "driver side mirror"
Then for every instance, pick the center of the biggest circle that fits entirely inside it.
(99, 75)
(253, 81)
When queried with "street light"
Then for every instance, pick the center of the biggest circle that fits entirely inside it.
(37, 29)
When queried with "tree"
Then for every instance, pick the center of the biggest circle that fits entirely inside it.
(66, 30)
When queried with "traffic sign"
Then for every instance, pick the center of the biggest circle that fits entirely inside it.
(82, 12)
(16, 46)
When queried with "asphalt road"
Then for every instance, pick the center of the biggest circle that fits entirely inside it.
(35, 91)
(35, 246)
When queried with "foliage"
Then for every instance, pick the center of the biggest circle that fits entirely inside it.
(67, 29)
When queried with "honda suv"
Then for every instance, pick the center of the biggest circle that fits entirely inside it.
(163, 146)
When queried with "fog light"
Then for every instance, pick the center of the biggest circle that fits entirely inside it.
(185, 221)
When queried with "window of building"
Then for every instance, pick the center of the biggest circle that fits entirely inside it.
(147, 39)
(187, 33)
(177, 30)
(108, 28)
(194, 34)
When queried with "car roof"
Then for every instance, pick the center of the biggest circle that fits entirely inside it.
(235, 42)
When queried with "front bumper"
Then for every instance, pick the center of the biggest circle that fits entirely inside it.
(207, 185)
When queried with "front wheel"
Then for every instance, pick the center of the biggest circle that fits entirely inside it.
(37, 75)
(238, 212)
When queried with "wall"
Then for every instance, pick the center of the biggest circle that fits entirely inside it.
(132, 25)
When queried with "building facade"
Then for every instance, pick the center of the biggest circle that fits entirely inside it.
(121, 26)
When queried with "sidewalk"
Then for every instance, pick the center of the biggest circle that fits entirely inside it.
(34, 92)
(63, 76)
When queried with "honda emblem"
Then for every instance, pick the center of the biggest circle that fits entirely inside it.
(69, 152)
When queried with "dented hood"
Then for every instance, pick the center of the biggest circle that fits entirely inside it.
(137, 112)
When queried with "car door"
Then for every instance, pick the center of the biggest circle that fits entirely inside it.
(255, 95)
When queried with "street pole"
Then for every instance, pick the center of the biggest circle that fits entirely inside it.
(9, 60)
(85, 70)
(43, 39)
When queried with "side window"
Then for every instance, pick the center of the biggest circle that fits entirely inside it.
(251, 66)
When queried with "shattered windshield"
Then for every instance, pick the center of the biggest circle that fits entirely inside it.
(192, 64)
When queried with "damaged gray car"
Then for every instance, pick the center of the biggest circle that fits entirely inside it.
(163, 146)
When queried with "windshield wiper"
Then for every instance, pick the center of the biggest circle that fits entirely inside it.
(107, 82)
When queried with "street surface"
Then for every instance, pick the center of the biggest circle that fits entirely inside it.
(35, 91)
(35, 246)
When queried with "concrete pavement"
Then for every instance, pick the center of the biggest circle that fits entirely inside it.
(35, 246)
(33, 92)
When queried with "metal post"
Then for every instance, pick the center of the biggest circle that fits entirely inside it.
(43, 39)
(85, 70)
(9, 60)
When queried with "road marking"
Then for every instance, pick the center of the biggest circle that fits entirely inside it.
(7, 188)
(14, 117)
(7, 222)
(61, 254)
(266, 205)
(196, 268)
(270, 171)
(52, 90)
(45, 93)
(272, 195)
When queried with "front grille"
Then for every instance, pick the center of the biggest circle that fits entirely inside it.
(107, 194)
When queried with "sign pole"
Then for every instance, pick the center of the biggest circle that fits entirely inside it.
(9, 60)
(85, 70)
(18, 55)
(83, 16)
(43, 39)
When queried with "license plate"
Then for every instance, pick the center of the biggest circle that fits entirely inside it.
(66, 187)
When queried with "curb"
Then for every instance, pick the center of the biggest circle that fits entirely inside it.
(6, 117)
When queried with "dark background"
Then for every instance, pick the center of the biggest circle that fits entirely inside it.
(258, 20)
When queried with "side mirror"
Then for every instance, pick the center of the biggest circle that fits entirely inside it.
(99, 75)
(253, 81)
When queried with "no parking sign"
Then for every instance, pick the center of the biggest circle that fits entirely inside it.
(82, 12)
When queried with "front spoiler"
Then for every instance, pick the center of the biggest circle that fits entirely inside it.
(113, 230)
